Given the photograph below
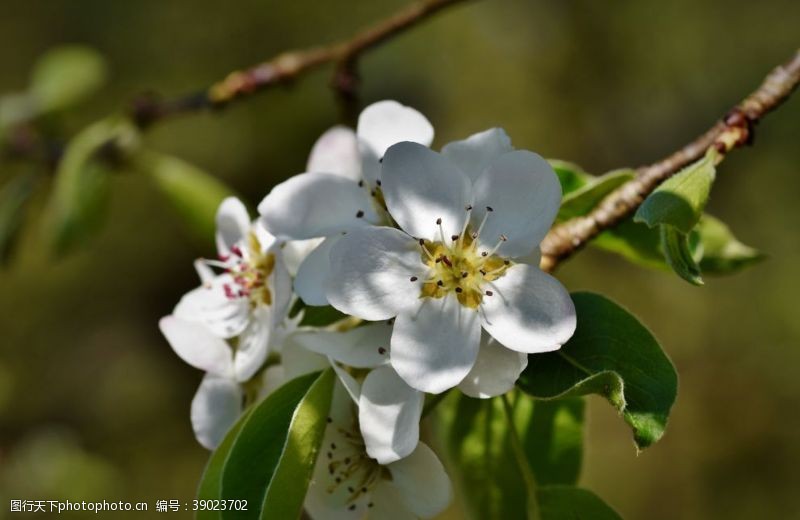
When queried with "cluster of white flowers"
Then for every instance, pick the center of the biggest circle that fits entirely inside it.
(439, 250)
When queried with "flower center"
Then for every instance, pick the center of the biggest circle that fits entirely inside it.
(250, 273)
(350, 468)
(460, 265)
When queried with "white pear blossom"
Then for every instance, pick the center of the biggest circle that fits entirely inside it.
(470, 219)
(340, 189)
(349, 484)
(249, 299)
(389, 410)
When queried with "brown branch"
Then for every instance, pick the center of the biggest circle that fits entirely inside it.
(735, 130)
(288, 66)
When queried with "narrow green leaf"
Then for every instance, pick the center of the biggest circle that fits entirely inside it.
(65, 76)
(571, 503)
(13, 198)
(679, 201)
(581, 201)
(272, 459)
(571, 176)
(475, 434)
(679, 255)
(194, 194)
(314, 316)
(80, 189)
(611, 354)
(210, 487)
(722, 252)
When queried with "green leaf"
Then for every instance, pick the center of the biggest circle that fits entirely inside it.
(475, 434)
(314, 316)
(80, 189)
(65, 76)
(615, 356)
(13, 198)
(210, 487)
(635, 242)
(571, 503)
(679, 255)
(194, 194)
(584, 199)
(272, 459)
(679, 201)
(571, 176)
(722, 252)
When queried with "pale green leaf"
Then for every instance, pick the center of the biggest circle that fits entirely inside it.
(65, 76)
(80, 188)
(679, 256)
(210, 487)
(722, 252)
(583, 200)
(194, 194)
(571, 176)
(611, 354)
(14, 196)
(679, 201)
(272, 458)
(571, 503)
(476, 436)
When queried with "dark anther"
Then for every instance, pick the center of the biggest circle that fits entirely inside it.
(373, 193)
(438, 260)
(381, 350)
(506, 262)
(440, 283)
(347, 460)
(360, 184)
(489, 208)
(454, 238)
(484, 253)
(489, 293)
(330, 455)
(422, 241)
(330, 420)
(414, 278)
(370, 504)
(438, 221)
(352, 507)
(359, 214)
(459, 289)
(378, 182)
(350, 489)
(483, 272)
(468, 207)
(338, 480)
(333, 446)
(464, 274)
(447, 261)
(380, 160)
(363, 490)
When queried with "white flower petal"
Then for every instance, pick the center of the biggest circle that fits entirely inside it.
(204, 271)
(362, 347)
(388, 505)
(209, 305)
(312, 275)
(385, 123)
(233, 223)
(297, 361)
(280, 284)
(316, 204)
(476, 152)
(295, 251)
(253, 345)
(495, 372)
(215, 407)
(336, 151)
(530, 311)
(420, 186)
(371, 270)
(197, 345)
(347, 381)
(525, 194)
(434, 347)
(389, 412)
(423, 484)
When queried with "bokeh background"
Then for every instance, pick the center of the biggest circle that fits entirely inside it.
(94, 404)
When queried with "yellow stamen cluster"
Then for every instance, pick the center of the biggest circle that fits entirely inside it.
(460, 268)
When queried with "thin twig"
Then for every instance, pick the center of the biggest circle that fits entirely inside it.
(288, 66)
(735, 130)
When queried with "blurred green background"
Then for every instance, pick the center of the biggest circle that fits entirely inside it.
(94, 404)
